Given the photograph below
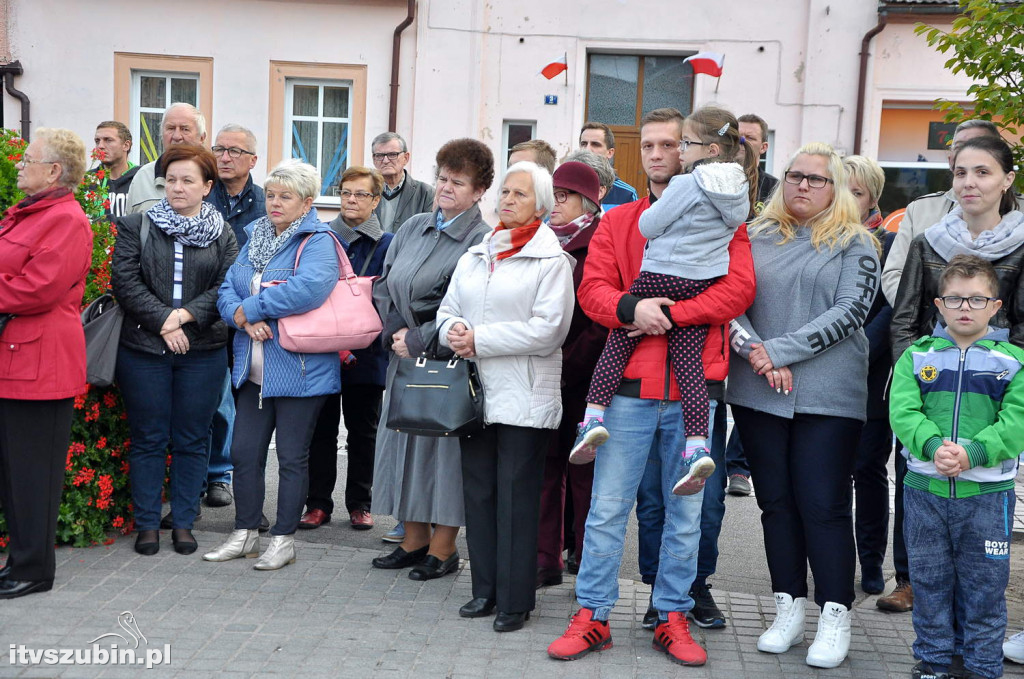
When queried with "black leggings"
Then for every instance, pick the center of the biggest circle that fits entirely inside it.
(685, 346)
(802, 470)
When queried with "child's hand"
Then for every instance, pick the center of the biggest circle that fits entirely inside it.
(947, 460)
(961, 456)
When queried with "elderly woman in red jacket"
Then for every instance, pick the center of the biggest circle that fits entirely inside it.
(45, 253)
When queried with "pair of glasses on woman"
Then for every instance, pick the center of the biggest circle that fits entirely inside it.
(815, 181)
(976, 303)
(562, 195)
(358, 195)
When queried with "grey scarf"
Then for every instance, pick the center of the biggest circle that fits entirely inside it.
(950, 237)
(264, 241)
(198, 231)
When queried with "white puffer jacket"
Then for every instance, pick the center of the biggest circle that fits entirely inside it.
(520, 315)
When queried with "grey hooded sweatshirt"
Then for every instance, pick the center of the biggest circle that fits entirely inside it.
(689, 228)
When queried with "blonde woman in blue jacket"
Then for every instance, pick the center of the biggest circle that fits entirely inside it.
(278, 390)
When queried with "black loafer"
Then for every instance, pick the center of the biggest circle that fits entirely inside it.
(548, 577)
(183, 540)
(12, 589)
(401, 558)
(650, 620)
(167, 522)
(510, 622)
(480, 607)
(432, 567)
(264, 523)
(148, 542)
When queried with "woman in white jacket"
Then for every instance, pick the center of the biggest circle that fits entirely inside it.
(508, 308)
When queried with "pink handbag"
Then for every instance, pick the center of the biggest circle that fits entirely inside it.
(346, 321)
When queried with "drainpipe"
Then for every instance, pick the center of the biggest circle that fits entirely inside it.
(9, 71)
(396, 50)
(863, 77)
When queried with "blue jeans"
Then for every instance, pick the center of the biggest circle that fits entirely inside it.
(170, 400)
(650, 509)
(960, 565)
(735, 458)
(219, 469)
(713, 510)
(638, 429)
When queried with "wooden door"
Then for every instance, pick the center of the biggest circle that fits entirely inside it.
(621, 88)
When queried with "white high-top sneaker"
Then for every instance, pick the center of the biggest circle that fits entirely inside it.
(832, 640)
(788, 626)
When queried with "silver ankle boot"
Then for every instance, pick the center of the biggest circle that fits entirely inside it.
(240, 543)
(279, 554)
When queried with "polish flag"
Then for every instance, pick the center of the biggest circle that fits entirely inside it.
(554, 68)
(708, 63)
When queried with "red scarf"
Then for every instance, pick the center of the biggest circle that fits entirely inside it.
(505, 242)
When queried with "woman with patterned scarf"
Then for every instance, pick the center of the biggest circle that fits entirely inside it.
(509, 307)
(277, 390)
(167, 266)
(574, 219)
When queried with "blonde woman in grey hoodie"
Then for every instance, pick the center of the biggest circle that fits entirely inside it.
(689, 229)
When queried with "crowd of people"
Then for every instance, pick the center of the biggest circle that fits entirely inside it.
(610, 333)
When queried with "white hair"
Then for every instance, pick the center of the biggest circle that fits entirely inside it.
(196, 113)
(293, 174)
(542, 187)
(250, 138)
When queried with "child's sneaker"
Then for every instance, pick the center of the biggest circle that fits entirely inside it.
(701, 467)
(589, 438)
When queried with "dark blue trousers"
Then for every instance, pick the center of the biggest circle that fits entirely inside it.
(960, 565)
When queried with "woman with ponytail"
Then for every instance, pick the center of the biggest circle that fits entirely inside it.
(689, 230)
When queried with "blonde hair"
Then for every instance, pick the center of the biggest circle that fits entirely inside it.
(835, 226)
(868, 173)
(67, 148)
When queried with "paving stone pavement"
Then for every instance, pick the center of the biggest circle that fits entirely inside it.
(331, 614)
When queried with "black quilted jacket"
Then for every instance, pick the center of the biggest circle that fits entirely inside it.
(145, 291)
(915, 314)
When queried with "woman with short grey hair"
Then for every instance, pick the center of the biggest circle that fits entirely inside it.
(508, 308)
(278, 390)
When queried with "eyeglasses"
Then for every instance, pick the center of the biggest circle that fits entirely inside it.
(563, 195)
(232, 151)
(390, 155)
(358, 195)
(815, 181)
(25, 161)
(686, 143)
(957, 302)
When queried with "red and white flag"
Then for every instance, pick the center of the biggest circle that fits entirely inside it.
(708, 63)
(555, 67)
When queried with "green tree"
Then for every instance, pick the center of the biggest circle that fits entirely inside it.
(987, 43)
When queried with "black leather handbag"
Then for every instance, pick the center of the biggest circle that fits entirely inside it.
(101, 321)
(432, 397)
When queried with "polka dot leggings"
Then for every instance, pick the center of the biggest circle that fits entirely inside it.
(685, 346)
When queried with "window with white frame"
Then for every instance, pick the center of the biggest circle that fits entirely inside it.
(318, 127)
(152, 93)
(515, 132)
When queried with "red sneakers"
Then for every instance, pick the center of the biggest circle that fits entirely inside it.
(581, 637)
(673, 637)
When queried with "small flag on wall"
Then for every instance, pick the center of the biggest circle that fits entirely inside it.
(708, 63)
(555, 67)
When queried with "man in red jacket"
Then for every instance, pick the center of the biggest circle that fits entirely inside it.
(644, 419)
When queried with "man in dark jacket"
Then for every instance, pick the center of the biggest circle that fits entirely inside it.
(238, 198)
(403, 196)
(241, 201)
(113, 141)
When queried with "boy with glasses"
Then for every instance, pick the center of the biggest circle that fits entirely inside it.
(957, 403)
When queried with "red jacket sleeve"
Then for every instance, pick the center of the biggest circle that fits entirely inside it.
(726, 298)
(603, 285)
